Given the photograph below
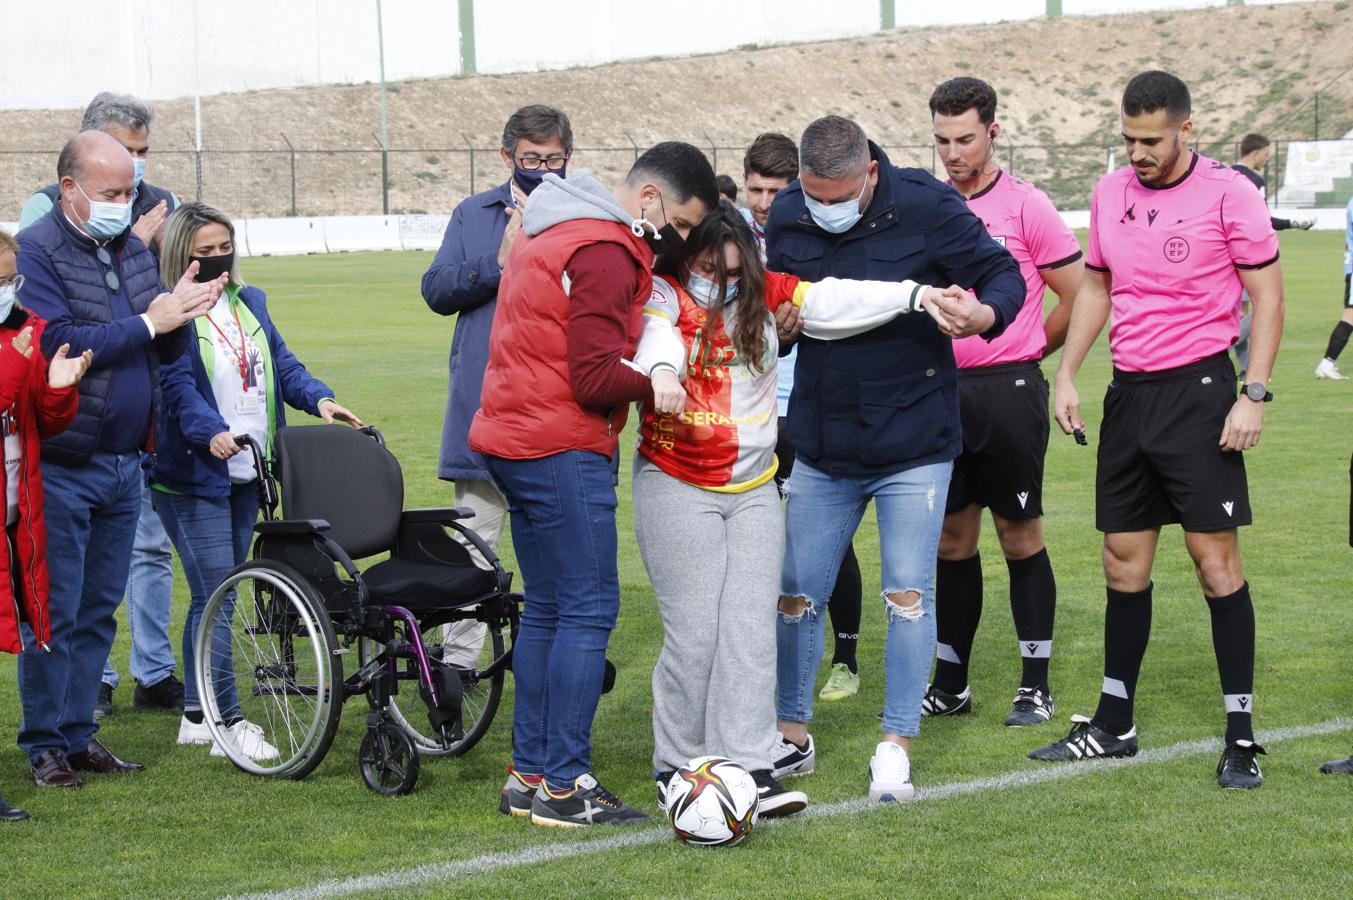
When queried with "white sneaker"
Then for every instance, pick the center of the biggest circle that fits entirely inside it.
(789, 759)
(1328, 371)
(890, 774)
(249, 738)
(193, 733)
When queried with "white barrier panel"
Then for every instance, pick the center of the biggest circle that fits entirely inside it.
(286, 237)
(361, 233)
(336, 234)
(422, 232)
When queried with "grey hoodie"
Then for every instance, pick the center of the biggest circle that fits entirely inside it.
(580, 196)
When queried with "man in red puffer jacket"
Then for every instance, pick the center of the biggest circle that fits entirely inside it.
(36, 402)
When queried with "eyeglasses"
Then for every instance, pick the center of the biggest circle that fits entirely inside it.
(15, 280)
(533, 163)
(109, 273)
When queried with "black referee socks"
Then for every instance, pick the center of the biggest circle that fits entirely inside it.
(1033, 603)
(958, 610)
(1127, 627)
(1233, 642)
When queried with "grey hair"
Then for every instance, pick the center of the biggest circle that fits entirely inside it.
(537, 123)
(833, 147)
(119, 109)
(179, 233)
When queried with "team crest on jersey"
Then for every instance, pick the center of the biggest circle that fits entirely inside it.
(1176, 249)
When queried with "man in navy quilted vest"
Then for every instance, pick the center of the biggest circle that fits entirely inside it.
(97, 286)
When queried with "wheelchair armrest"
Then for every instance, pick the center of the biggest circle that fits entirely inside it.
(439, 516)
(291, 527)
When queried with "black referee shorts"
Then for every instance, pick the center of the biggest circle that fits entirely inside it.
(1160, 460)
(1004, 411)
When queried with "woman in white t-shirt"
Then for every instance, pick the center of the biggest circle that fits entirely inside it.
(236, 379)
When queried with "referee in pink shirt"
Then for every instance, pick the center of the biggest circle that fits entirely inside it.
(1174, 237)
(1003, 405)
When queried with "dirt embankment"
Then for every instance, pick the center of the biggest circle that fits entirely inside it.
(1059, 81)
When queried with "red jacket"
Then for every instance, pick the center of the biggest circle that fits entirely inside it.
(40, 412)
(528, 408)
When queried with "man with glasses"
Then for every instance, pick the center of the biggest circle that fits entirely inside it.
(98, 288)
(151, 584)
(463, 281)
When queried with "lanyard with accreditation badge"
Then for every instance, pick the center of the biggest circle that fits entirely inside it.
(247, 402)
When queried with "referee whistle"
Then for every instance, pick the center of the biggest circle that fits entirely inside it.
(1079, 435)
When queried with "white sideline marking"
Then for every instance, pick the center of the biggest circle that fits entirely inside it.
(432, 873)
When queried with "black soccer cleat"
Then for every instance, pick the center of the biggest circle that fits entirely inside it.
(936, 702)
(661, 781)
(1338, 767)
(1032, 706)
(1087, 741)
(1238, 767)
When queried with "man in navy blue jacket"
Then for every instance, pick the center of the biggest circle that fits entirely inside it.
(874, 416)
(463, 281)
(98, 287)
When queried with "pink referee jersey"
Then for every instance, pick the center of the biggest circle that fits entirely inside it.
(1023, 219)
(1172, 254)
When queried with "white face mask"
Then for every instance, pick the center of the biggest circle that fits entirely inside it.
(705, 291)
(106, 220)
(8, 294)
(837, 218)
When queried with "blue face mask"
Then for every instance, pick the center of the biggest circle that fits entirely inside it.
(529, 181)
(706, 292)
(106, 220)
(139, 168)
(837, 217)
(8, 293)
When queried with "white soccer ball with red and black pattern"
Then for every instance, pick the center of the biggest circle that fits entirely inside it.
(711, 802)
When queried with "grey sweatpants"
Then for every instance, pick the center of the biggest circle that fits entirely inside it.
(714, 560)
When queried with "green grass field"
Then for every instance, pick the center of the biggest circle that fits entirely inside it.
(194, 826)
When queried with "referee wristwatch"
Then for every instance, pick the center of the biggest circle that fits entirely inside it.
(1257, 391)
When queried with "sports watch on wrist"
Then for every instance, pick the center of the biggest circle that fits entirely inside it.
(1257, 391)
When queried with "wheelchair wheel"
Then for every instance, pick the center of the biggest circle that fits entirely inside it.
(462, 648)
(388, 759)
(283, 672)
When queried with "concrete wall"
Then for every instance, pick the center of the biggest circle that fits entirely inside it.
(160, 49)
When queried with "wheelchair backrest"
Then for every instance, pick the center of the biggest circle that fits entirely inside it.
(345, 477)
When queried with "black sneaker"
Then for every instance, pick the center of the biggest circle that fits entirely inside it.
(1238, 767)
(661, 780)
(104, 705)
(942, 703)
(518, 792)
(167, 693)
(587, 804)
(772, 798)
(1338, 767)
(1033, 706)
(1087, 741)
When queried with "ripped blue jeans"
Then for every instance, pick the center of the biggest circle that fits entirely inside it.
(823, 514)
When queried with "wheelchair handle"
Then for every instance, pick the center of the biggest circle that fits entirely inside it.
(267, 488)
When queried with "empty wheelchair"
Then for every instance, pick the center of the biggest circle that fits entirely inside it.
(429, 628)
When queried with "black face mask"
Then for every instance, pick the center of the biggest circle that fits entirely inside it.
(667, 237)
(209, 268)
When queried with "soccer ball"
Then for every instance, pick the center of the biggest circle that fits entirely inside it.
(711, 802)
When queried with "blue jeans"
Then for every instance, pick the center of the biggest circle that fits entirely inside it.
(212, 536)
(823, 514)
(91, 513)
(150, 598)
(562, 509)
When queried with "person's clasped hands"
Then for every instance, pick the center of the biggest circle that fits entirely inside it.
(957, 312)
